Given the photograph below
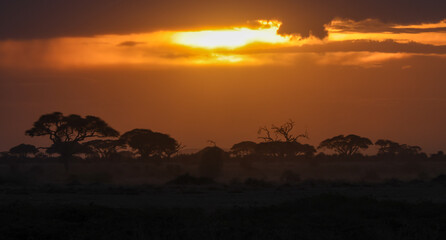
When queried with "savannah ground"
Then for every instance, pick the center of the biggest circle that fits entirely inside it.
(91, 203)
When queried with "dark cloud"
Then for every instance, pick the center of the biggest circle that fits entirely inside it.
(130, 44)
(375, 25)
(388, 46)
(26, 19)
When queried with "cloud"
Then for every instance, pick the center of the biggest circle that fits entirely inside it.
(130, 44)
(347, 42)
(28, 19)
(377, 26)
(364, 59)
(66, 53)
(387, 46)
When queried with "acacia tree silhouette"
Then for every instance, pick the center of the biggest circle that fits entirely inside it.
(23, 150)
(66, 132)
(280, 133)
(244, 148)
(151, 145)
(346, 145)
(279, 141)
(388, 148)
(104, 149)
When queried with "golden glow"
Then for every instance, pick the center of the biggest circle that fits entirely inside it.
(258, 44)
(364, 59)
(441, 24)
(232, 38)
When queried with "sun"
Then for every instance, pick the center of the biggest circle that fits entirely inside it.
(266, 32)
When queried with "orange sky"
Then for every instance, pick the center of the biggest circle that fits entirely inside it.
(370, 77)
(257, 43)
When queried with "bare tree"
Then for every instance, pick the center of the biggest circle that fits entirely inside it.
(267, 137)
(280, 133)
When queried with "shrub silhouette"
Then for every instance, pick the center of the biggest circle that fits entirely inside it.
(280, 149)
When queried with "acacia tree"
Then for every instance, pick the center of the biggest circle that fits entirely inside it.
(244, 148)
(23, 150)
(280, 141)
(66, 132)
(104, 149)
(392, 149)
(151, 144)
(387, 147)
(346, 145)
(280, 133)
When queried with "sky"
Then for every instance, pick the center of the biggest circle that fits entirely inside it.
(218, 70)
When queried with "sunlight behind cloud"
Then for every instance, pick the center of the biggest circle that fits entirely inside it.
(232, 38)
(364, 43)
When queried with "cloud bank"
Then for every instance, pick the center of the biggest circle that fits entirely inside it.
(29, 19)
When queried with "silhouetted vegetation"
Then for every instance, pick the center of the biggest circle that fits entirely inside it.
(149, 144)
(390, 149)
(139, 185)
(23, 150)
(90, 150)
(346, 145)
(66, 132)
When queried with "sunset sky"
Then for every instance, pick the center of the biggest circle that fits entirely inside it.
(218, 70)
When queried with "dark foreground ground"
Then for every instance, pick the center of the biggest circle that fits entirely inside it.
(253, 210)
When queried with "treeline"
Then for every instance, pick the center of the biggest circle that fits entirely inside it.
(74, 136)
(280, 142)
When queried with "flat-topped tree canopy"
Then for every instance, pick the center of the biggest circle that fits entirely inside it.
(71, 128)
(150, 144)
(23, 150)
(346, 145)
